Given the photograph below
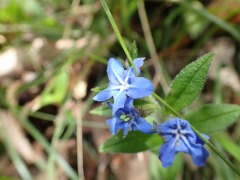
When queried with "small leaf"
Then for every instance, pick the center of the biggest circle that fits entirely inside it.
(213, 117)
(135, 141)
(133, 50)
(103, 110)
(187, 85)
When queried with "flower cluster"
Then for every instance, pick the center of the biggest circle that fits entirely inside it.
(125, 86)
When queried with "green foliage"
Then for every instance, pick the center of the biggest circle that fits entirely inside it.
(24, 21)
(210, 17)
(19, 10)
(159, 172)
(188, 84)
(228, 144)
(195, 23)
(213, 117)
(133, 50)
(103, 110)
(56, 90)
(134, 142)
(7, 178)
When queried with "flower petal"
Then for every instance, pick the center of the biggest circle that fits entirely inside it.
(120, 112)
(140, 88)
(138, 63)
(183, 145)
(129, 104)
(167, 153)
(129, 75)
(125, 130)
(119, 101)
(115, 71)
(179, 137)
(168, 126)
(199, 155)
(200, 141)
(104, 94)
(111, 123)
(143, 126)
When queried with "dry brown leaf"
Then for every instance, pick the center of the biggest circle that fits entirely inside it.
(17, 137)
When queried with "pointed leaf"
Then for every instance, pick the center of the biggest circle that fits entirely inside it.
(135, 141)
(133, 50)
(213, 117)
(187, 85)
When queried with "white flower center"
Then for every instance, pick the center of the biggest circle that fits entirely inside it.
(179, 134)
(124, 85)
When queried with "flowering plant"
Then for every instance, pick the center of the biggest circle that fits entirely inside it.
(134, 132)
(179, 136)
(125, 86)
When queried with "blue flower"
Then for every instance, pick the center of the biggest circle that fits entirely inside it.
(124, 83)
(179, 137)
(128, 118)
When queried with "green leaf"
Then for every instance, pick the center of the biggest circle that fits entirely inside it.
(228, 144)
(55, 90)
(144, 106)
(188, 84)
(213, 117)
(135, 141)
(133, 50)
(103, 110)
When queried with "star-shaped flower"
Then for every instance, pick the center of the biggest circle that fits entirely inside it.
(179, 137)
(128, 118)
(124, 83)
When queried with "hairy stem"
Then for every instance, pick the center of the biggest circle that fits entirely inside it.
(118, 34)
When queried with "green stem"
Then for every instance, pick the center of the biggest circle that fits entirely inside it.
(221, 155)
(118, 34)
(166, 105)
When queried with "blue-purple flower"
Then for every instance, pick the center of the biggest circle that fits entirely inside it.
(124, 83)
(127, 119)
(179, 137)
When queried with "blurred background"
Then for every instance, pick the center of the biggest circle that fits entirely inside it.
(53, 53)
